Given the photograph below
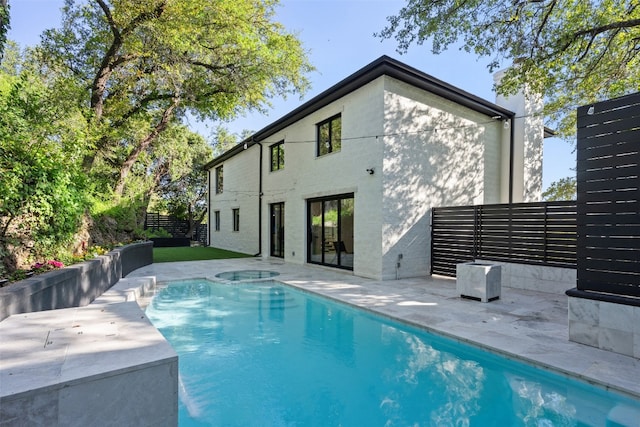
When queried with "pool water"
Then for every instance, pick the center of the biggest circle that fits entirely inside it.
(266, 354)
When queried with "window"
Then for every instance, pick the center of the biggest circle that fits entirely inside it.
(216, 220)
(236, 219)
(219, 179)
(329, 136)
(277, 156)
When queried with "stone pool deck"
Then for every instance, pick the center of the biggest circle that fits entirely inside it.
(98, 365)
(525, 325)
(77, 366)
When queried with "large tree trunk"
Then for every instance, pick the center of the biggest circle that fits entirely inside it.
(112, 59)
(144, 145)
(194, 221)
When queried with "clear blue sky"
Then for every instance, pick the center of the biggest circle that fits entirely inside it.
(339, 37)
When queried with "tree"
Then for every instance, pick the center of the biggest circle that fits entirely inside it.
(224, 140)
(42, 189)
(181, 184)
(573, 52)
(4, 25)
(147, 63)
(562, 189)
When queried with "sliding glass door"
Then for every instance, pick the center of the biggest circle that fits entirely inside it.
(330, 231)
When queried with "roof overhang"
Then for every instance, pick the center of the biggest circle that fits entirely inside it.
(548, 132)
(383, 66)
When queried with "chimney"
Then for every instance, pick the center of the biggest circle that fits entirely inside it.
(528, 136)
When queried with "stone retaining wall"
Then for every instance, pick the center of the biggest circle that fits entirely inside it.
(76, 285)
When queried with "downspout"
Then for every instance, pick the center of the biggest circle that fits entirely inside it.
(511, 158)
(209, 210)
(259, 203)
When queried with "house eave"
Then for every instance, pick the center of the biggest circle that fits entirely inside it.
(380, 67)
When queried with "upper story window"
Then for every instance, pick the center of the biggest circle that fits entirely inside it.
(329, 135)
(277, 156)
(219, 179)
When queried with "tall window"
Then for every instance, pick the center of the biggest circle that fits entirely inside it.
(236, 219)
(216, 220)
(219, 179)
(329, 135)
(277, 156)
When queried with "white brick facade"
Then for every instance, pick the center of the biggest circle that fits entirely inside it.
(425, 150)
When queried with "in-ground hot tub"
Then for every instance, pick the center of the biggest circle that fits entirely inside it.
(246, 275)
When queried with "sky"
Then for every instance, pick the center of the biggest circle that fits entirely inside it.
(339, 38)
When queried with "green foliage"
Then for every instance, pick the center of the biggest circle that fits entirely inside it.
(182, 182)
(563, 189)
(573, 52)
(117, 220)
(223, 140)
(90, 120)
(149, 63)
(160, 232)
(42, 190)
(4, 24)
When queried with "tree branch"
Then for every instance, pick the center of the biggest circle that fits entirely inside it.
(144, 144)
(612, 26)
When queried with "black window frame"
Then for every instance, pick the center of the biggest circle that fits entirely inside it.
(276, 156)
(216, 220)
(276, 248)
(235, 213)
(219, 175)
(331, 148)
(337, 198)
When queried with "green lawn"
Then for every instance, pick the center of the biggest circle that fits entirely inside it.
(196, 253)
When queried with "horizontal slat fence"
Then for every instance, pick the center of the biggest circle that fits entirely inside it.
(608, 184)
(176, 227)
(541, 233)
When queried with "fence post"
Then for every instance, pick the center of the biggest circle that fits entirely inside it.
(477, 211)
(546, 236)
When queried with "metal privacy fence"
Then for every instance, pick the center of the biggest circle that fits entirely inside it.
(176, 227)
(608, 208)
(541, 233)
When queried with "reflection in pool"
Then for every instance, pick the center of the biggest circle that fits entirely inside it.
(266, 354)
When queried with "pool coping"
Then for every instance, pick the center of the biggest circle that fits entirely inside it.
(535, 333)
(88, 365)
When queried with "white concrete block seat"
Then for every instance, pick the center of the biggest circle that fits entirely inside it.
(479, 280)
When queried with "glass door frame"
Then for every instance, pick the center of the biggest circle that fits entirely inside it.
(276, 234)
(338, 198)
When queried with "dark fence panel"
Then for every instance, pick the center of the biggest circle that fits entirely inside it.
(541, 233)
(608, 154)
(176, 227)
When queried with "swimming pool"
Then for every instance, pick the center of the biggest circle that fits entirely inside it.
(265, 354)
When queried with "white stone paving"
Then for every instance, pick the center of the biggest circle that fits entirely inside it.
(526, 325)
(92, 365)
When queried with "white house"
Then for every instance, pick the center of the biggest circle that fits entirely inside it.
(348, 179)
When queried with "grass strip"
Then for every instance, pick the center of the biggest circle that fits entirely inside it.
(196, 253)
